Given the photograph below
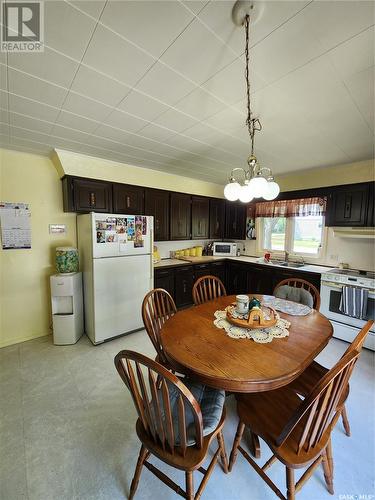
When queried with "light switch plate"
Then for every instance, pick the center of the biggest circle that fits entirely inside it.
(57, 228)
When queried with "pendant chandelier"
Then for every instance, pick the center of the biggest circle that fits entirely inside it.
(256, 181)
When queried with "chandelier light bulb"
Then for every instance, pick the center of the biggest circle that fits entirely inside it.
(246, 194)
(273, 190)
(258, 186)
(232, 191)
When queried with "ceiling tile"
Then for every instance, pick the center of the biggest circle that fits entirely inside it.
(86, 107)
(3, 77)
(124, 121)
(143, 106)
(361, 87)
(187, 56)
(73, 121)
(280, 54)
(47, 65)
(199, 104)
(153, 29)
(115, 57)
(175, 120)
(92, 84)
(164, 84)
(355, 55)
(31, 135)
(195, 5)
(66, 29)
(228, 119)
(17, 120)
(157, 133)
(230, 85)
(267, 16)
(27, 86)
(36, 109)
(334, 22)
(91, 7)
(68, 133)
(115, 134)
(4, 115)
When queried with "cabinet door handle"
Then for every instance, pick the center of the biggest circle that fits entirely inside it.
(185, 287)
(128, 201)
(92, 199)
(348, 204)
(157, 224)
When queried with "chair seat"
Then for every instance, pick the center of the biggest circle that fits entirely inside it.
(211, 402)
(310, 377)
(266, 414)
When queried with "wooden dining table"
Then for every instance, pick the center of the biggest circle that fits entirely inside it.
(199, 349)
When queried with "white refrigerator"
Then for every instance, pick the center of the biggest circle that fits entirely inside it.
(116, 260)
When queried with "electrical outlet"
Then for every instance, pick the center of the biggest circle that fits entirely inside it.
(334, 257)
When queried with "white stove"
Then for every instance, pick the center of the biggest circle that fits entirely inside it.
(350, 277)
(345, 327)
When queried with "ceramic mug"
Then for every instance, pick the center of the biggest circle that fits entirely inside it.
(242, 304)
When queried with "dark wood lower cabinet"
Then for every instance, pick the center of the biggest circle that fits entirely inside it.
(164, 278)
(219, 269)
(238, 278)
(184, 278)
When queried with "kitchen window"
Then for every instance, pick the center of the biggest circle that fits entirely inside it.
(295, 226)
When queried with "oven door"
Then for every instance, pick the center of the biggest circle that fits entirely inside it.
(330, 302)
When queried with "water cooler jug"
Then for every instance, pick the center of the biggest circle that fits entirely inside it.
(67, 308)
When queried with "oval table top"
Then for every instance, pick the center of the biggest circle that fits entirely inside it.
(196, 347)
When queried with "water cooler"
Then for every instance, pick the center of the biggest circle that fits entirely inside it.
(67, 308)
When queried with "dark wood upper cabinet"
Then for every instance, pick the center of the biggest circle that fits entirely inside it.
(348, 205)
(128, 199)
(86, 195)
(371, 206)
(180, 216)
(217, 219)
(235, 220)
(157, 205)
(200, 212)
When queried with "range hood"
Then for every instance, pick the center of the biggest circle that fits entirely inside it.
(354, 232)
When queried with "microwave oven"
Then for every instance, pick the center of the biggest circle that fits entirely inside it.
(225, 248)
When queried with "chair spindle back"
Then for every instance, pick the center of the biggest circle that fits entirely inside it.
(208, 288)
(300, 283)
(319, 409)
(151, 385)
(157, 307)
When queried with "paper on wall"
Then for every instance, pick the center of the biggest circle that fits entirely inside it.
(15, 225)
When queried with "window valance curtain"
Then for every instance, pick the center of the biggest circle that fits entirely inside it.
(291, 208)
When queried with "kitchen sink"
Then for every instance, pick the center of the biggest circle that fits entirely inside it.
(292, 264)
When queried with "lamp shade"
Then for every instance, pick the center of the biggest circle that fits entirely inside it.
(273, 190)
(246, 194)
(258, 186)
(232, 191)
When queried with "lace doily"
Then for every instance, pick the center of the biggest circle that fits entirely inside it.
(286, 306)
(262, 336)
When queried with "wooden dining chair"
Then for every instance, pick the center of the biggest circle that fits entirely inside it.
(315, 372)
(297, 431)
(157, 307)
(176, 421)
(300, 283)
(208, 288)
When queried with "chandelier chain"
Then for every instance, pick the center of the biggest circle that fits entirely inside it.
(253, 124)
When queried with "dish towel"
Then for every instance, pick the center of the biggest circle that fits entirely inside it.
(354, 302)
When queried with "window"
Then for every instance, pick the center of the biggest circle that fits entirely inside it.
(298, 235)
(295, 226)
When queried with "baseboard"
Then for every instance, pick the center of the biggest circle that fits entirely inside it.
(18, 340)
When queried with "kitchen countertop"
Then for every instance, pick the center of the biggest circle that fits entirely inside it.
(309, 268)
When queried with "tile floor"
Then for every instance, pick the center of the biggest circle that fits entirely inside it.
(67, 430)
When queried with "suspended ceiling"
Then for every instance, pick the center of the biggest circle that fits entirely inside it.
(160, 84)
